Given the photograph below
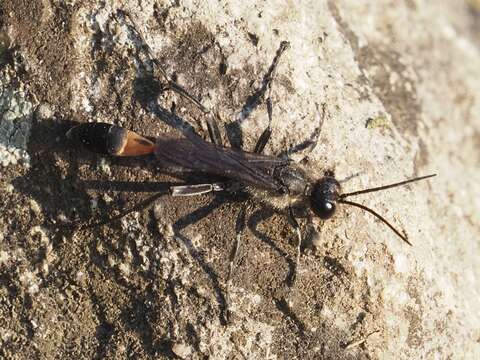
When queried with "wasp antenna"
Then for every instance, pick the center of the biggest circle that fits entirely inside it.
(378, 216)
(384, 187)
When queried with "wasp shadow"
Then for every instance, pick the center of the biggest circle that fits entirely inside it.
(264, 213)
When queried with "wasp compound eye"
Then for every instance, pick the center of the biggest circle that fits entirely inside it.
(324, 209)
(110, 139)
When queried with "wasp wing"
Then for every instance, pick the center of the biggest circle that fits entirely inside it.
(195, 154)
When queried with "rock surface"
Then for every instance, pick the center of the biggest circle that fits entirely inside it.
(394, 88)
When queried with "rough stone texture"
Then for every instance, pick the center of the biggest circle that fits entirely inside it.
(395, 88)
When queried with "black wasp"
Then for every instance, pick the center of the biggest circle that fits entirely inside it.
(275, 180)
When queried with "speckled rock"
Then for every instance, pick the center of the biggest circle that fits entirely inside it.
(377, 91)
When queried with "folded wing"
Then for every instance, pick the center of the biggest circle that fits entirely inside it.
(195, 154)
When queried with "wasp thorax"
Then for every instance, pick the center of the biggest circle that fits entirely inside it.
(324, 196)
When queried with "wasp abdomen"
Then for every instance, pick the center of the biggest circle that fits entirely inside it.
(110, 139)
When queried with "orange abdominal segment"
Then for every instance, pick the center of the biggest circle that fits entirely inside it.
(136, 145)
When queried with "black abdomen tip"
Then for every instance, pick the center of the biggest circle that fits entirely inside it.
(101, 138)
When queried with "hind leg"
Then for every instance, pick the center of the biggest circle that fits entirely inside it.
(294, 223)
(239, 228)
(269, 78)
(211, 119)
(170, 84)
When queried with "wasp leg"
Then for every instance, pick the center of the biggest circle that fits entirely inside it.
(211, 118)
(212, 123)
(181, 190)
(197, 189)
(296, 227)
(191, 190)
(309, 144)
(261, 142)
(213, 129)
(140, 206)
(269, 78)
(239, 228)
(267, 133)
(259, 147)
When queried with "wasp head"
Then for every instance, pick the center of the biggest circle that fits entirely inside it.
(326, 193)
(324, 196)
